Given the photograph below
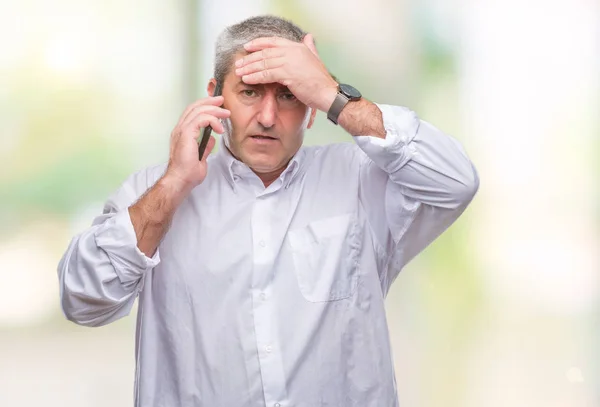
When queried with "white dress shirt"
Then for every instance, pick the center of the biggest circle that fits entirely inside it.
(273, 296)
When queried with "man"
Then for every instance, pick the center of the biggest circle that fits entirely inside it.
(261, 271)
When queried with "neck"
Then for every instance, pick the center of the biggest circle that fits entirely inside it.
(266, 177)
(269, 177)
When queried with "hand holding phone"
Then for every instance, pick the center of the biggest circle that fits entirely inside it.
(184, 163)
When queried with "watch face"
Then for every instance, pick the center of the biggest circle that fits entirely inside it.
(350, 92)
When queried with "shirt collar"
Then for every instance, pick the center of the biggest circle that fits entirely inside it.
(235, 170)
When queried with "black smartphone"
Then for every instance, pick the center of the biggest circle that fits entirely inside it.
(208, 130)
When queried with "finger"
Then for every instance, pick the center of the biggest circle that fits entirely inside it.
(258, 55)
(309, 41)
(266, 76)
(261, 65)
(208, 101)
(201, 121)
(214, 101)
(209, 147)
(216, 111)
(267, 42)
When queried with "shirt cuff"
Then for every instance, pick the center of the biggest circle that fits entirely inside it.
(117, 238)
(396, 149)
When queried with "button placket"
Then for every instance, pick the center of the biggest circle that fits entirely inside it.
(269, 359)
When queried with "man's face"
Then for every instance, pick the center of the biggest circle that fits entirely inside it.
(267, 122)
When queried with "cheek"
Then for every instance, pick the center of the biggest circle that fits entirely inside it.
(300, 122)
(297, 120)
(234, 125)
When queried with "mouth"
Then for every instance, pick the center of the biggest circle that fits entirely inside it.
(262, 137)
(262, 140)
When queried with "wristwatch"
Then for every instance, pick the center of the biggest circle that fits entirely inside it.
(346, 93)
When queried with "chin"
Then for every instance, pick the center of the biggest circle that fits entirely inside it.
(262, 162)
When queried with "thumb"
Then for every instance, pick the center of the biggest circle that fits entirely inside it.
(309, 41)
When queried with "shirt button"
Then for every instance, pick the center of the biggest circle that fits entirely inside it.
(268, 348)
(263, 296)
(277, 405)
(262, 243)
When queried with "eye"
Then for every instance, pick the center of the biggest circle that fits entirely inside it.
(289, 96)
(249, 92)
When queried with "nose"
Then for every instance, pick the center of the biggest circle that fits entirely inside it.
(268, 110)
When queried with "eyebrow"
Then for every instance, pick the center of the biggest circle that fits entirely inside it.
(258, 86)
(242, 83)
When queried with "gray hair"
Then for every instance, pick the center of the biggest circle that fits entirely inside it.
(232, 39)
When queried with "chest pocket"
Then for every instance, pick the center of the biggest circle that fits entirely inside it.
(325, 255)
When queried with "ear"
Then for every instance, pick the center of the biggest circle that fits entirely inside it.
(313, 114)
(210, 88)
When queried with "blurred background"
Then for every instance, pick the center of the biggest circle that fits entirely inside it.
(502, 310)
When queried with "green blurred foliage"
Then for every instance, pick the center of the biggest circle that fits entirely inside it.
(62, 159)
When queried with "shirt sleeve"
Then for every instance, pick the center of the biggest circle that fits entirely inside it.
(414, 184)
(102, 270)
